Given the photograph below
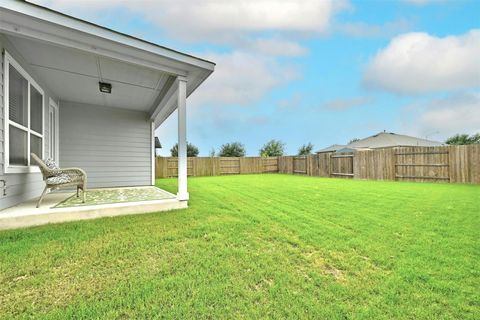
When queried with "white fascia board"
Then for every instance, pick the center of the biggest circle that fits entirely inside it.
(164, 106)
(167, 101)
(168, 104)
(19, 8)
(169, 107)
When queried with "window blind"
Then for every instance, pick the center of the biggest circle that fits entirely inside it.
(36, 110)
(18, 97)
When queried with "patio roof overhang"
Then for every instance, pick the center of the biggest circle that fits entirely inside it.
(73, 56)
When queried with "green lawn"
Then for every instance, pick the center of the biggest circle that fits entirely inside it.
(258, 246)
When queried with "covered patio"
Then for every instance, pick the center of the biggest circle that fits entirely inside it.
(99, 96)
(64, 206)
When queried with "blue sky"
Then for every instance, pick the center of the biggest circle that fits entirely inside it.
(313, 71)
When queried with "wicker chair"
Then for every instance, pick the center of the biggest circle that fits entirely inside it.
(56, 178)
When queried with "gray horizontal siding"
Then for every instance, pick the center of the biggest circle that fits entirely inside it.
(112, 145)
(68, 146)
(20, 186)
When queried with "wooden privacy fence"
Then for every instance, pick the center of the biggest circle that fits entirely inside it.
(300, 164)
(456, 164)
(341, 165)
(422, 164)
(213, 166)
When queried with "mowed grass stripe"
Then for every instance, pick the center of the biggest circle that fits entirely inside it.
(258, 246)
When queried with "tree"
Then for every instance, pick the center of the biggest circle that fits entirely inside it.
(212, 152)
(305, 150)
(459, 139)
(354, 140)
(234, 149)
(273, 148)
(192, 151)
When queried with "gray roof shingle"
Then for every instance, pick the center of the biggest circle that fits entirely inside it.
(384, 140)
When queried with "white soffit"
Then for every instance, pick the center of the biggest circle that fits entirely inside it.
(73, 75)
(85, 40)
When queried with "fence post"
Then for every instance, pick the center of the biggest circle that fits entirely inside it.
(329, 164)
(354, 168)
(318, 164)
(193, 167)
(308, 163)
(158, 168)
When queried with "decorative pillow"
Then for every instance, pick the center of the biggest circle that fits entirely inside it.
(60, 179)
(50, 163)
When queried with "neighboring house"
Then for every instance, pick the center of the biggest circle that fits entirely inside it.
(382, 140)
(332, 148)
(87, 97)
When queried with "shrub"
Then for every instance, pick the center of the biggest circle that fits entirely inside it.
(192, 151)
(273, 148)
(460, 139)
(234, 149)
(305, 150)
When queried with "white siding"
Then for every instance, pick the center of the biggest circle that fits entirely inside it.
(20, 186)
(112, 145)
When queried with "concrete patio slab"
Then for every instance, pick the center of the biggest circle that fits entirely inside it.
(26, 214)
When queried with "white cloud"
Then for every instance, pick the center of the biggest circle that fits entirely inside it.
(343, 104)
(241, 78)
(459, 113)
(416, 63)
(219, 18)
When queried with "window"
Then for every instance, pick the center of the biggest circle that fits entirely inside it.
(24, 121)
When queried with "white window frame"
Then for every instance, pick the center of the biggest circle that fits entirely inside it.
(53, 105)
(9, 60)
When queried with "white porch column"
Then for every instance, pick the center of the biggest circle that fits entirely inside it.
(154, 155)
(182, 194)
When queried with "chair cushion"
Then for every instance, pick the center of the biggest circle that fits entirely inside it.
(60, 179)
(51, 164)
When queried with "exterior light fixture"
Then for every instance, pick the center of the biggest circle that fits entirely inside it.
(158, 145)
(105, 87)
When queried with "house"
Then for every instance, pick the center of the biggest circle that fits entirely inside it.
(382, 140)
(332, 148)
(88, 97)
